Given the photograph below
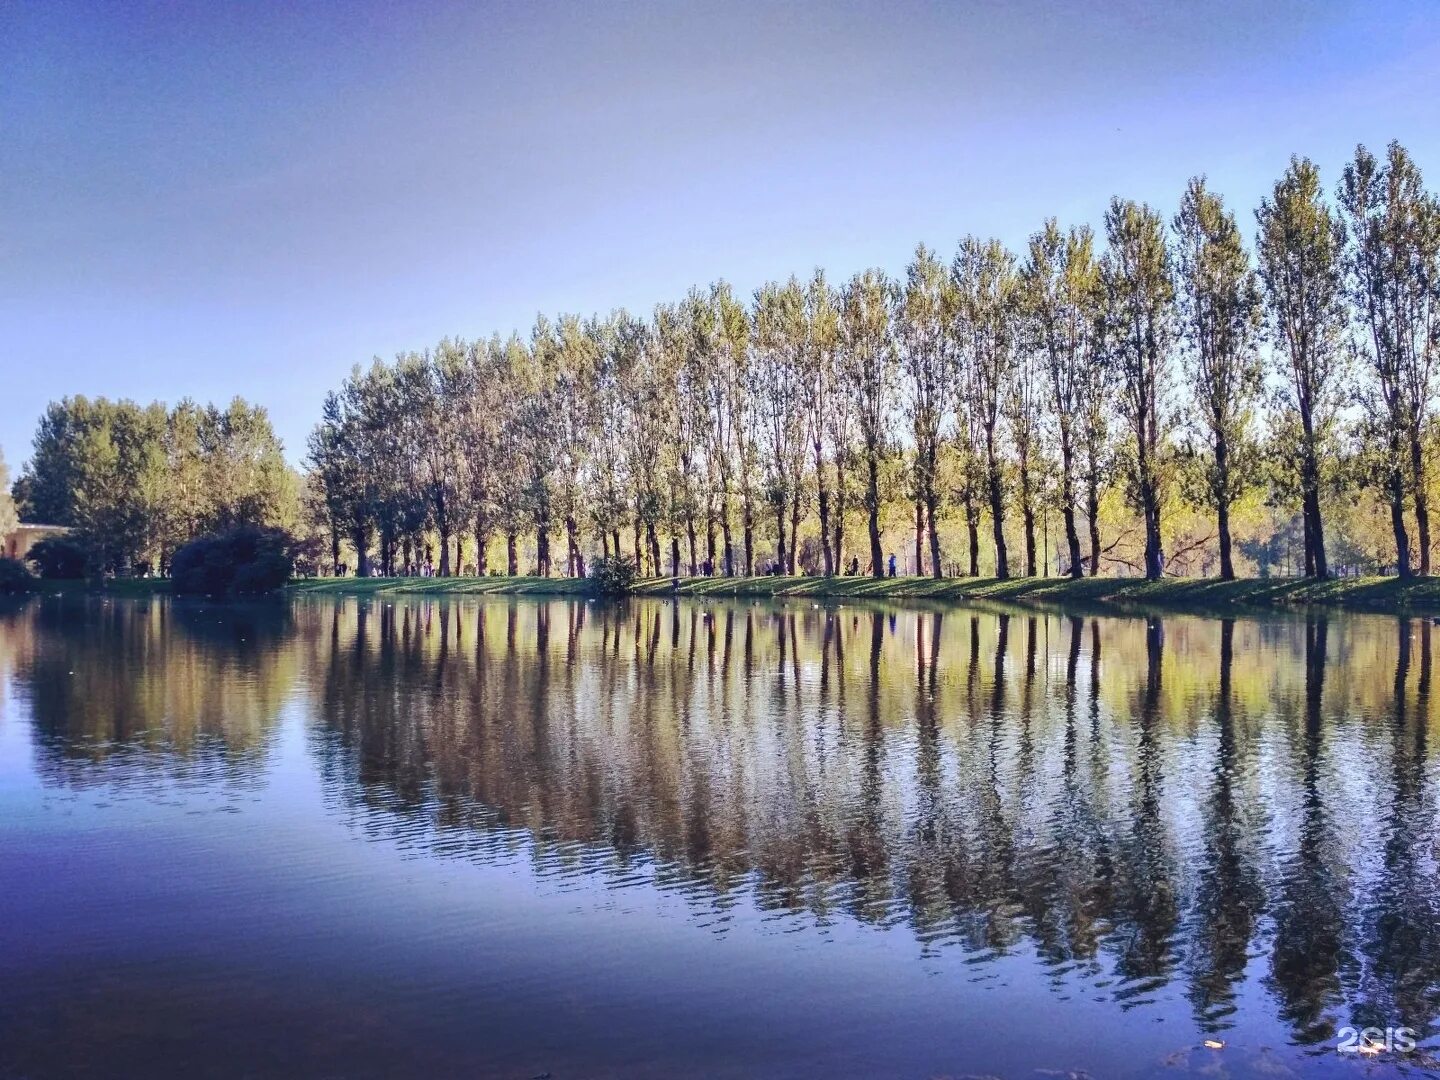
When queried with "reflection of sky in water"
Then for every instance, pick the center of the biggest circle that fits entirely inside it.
(706, 839)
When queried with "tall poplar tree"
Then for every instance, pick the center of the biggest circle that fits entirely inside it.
(867, 368)
(924, 319)
(1139, 323)
(822, 401)
(987, 291)
(1219, 300)
(1393, 275)
(1062, 289)
(1299, 248)
(779, 338)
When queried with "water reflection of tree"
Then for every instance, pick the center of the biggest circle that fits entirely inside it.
(151, 687)
(1167, 814)
(1307, 951)
(1229, 895)
(1400, 928)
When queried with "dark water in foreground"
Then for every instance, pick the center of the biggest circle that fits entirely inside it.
(512, 838)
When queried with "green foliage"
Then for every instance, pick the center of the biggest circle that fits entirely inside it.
(59, 558)
(612, 575)
(247, 560)
(8, 515)
(136, 481)
(14, 577)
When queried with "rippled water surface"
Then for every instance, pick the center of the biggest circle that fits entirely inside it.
(519, 838)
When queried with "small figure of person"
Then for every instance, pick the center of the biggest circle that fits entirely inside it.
(854, 565)
(892, 564)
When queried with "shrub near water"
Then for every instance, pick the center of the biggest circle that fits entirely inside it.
(246, 561)
(14, 578)
(58, 558)
(612, 575)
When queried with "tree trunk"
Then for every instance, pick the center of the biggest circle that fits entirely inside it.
(780, 534)
(1154, 565)
(674, 555)
(1067, 503)
(839, 524)
(1222, 507)
(1076, 567)
(1227, 562)
(1027, 513)
(822, 497)
(575, 560)
(932, 500)
(512, 556)
(919, 537)
(1307, 538)
(872, 508)
(1149, 505)
(1315, 561)
(1092, 517)
(387, 551)
(749, 524)
(794, 529)
(972, 528)
(482, 551)
(1317, 532)
(361, 542)
(1395, 486)
(997, 508)
(542, 552)
(1422, 502)
(690, 536)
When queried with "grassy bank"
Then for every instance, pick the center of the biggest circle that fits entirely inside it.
(141, 587)
(1175, 594)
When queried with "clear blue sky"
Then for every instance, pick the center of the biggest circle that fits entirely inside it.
(215, 199)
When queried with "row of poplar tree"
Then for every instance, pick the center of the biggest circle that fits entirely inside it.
(1176, 364)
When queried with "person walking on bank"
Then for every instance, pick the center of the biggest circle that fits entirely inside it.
(892, 564)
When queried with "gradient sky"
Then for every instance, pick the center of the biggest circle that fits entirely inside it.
(214, 199)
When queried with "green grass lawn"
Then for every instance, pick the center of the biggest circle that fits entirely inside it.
(349, 586)
(115, 587)
(1370, 594)
(1172, 594)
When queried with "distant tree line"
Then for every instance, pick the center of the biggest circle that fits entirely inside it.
(1175, 374)
(136, 482)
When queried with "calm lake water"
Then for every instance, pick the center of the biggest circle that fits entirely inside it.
(516, 838)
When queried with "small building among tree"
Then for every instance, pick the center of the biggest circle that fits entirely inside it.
(16, 544)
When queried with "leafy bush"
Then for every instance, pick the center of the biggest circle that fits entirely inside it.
(15, 578)
(58, 557)
(612, 575)
(245, 561)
